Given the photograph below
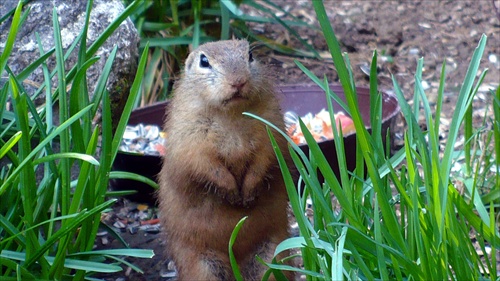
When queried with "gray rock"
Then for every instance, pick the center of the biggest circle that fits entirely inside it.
(71, 18)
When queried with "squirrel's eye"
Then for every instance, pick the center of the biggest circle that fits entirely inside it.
(250, 57)
(204, 61)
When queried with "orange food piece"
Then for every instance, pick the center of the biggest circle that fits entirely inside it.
(345, 122)
(327, 130)
(160, 148)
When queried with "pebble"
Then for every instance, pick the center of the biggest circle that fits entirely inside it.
(424, 25)
(169, 271)
(105, 240)
(151, 229)
(492, 58)
(425, 85)
(365, 68)
(413, 51)
(119, 224)
(133, 227)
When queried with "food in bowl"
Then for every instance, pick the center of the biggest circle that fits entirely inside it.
(319, 125)
(148, 139)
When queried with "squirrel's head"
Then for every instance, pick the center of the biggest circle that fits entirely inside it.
(225, 75)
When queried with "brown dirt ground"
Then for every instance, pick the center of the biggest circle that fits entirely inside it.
(406, 31)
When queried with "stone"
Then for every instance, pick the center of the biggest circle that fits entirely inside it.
(71, 19)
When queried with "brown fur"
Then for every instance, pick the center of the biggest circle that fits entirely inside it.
(220, 166)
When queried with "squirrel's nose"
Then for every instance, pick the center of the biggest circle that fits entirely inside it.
(239, 86)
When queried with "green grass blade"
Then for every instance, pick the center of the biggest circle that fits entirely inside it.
(462, 103)
(10, 143)
(136, 253)
(337, 268)
(439, 102)
(134, 92)
(232, 258)
(378, 237)
(11, 38)
(64, 137)
(101, 83)
(196, 8)
(72, 155)
(132, 176)
(33, 66)
(334, 47)
(321, 84)
(496, 130)
(225, 18)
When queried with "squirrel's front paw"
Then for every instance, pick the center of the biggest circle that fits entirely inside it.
(226, 186)
(233, 197)
(252, 185)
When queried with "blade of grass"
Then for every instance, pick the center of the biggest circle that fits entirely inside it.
(73, 155)
(320, 83)
(461, 106)
(225, 8)
(10, 143)
(101, 83)
(196, 8)
(132, 176)
(28, 187)
(11, 38)
(137, 253)
(232, 258)
(134, 92)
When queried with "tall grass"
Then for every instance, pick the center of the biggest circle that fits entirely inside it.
(48, 223)
(407, 220)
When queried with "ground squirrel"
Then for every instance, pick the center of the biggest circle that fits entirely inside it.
(220, 166)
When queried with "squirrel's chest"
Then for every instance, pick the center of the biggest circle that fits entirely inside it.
(234, 142)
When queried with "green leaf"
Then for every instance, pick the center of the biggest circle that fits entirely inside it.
(11, 38)
(232, 258)
(10, 143)
(133, 176)
(136, 253)
(73, 155)
(230, 6)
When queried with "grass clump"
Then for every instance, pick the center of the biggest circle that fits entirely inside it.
(49, 223)
(404, 219)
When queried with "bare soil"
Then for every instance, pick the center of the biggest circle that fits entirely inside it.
(401, 32)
